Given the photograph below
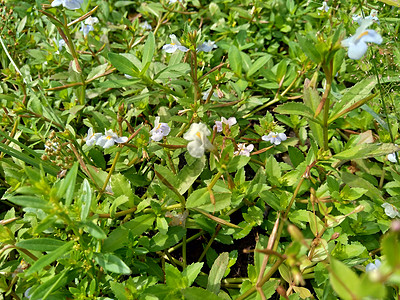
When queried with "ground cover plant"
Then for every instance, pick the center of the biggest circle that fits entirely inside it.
(197, 149)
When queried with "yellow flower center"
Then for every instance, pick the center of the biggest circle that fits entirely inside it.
(362, 34)
(108, 137)
(198, 134)
(158, 127)
(173, 44)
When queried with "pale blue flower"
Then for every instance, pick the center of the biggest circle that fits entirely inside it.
(159, 131)
(86, 29)
(357, 43)
(61, 44)
(390, 210)
(92, 137)
(219, 124)
(70, 4)
(145, 25)
(244, 150)
(109, 139)
(207, 93)
(207, 46)
(175, 45)
(274, 138)
(324, 7)
(373, 266)
(91, 21)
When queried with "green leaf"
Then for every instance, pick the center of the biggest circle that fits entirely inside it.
(196, 293)
(295, 108)
(217, 272)
(308, 47)
(162, 241)
(316, 224)
(357, 181)
(49, 258)
(391, 249)
(344, 281)
(201, 199)
(122, 187)
(235, 60)
(192, 271)
(67, 187)
(258, 64)
(237, 162)
(174, 278)
(94, 230)
(148, 49)
(123, 64)
(41, 244)
(53, 284)
(189, 173)
(29, 201)
(134, 227)
(111, 263)
(366, 150)
(296, 156)
(312, 99)
(86, 199)
(354, 97)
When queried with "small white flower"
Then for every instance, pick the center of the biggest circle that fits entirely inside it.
(390, 210)
(207, 46)
(159, 131)
(145, 25)
(109, 139)
(197, 135)
(274, 138)
(86, 29)
(219, 124)
(173, 1)
(70, 4)
(175, 45)
(128, 76)
(373, 266)
(91, 21)
(92, 137)
(392, 157)
(357, 43)
(324, 7)
(244, 150)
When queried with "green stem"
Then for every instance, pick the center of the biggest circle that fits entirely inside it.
(210, 242)
(109, 175)
(184, 250)
(81, 94)
(267, 276)
(326, 114)
(193, 237)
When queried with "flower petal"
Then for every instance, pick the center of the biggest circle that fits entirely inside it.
(195, 148)
(356, 51)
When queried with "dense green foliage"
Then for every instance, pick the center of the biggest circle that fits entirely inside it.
(199, 150)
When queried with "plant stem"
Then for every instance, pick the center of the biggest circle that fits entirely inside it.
(210, 242)
(264, 280)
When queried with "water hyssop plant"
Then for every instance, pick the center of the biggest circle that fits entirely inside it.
(191, 149)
